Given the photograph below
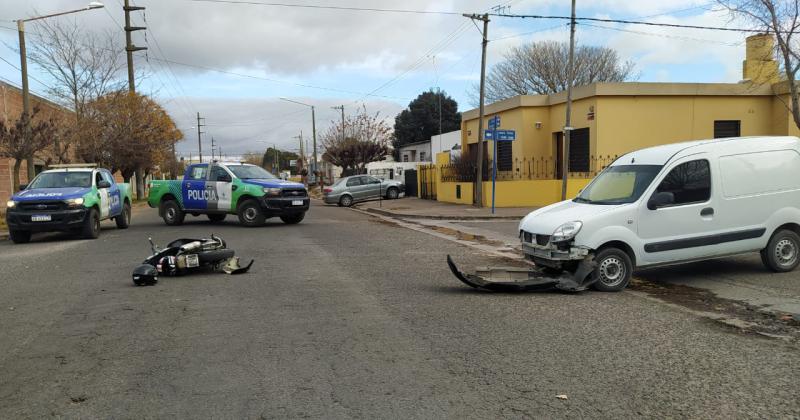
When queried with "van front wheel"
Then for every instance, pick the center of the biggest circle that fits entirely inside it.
(782, 251)
(613, 272)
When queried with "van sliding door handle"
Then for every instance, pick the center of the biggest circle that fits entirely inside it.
(708, 211)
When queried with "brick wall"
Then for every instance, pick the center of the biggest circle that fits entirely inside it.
(10, 109)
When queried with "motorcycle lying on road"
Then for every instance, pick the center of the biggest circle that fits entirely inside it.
(185, 256)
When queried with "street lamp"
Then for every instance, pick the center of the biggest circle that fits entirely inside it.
(24, 64)
(315, 171)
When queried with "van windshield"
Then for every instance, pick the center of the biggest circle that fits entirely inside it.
(620, 184)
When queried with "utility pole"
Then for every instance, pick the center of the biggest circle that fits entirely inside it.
(567, 127)
(479, 176)
(341, 107)
(314, 135)
(129, 47)
(213, 145)
(199, 141)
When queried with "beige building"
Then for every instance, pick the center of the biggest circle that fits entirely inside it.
(610, 119)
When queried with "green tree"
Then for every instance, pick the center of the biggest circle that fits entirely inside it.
(283, 158)
(431, 113)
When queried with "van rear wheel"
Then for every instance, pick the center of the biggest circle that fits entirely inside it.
(613, 272)
(782, 253)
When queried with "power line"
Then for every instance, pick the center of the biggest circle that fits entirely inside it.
(678, 37)
(250, 76)
(630, 22)
(343, 8)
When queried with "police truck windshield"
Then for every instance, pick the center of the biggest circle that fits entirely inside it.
(250, 172)
(62, 180)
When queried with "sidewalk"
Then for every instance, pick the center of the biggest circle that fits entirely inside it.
(415, 208)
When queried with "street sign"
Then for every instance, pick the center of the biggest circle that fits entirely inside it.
(494, 123)
(293, 162)
(500, 135)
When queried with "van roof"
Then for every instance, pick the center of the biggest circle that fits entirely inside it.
(660, 155)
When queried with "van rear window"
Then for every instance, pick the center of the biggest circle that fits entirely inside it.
(760, 173)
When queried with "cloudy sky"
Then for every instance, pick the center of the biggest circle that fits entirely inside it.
(232, 62)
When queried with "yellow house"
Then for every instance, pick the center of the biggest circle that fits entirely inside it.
(610, 119)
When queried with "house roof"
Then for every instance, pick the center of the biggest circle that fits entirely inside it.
(630, 89)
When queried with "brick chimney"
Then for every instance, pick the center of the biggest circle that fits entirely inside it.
(759, 65)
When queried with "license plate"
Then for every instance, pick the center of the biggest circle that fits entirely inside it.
(41, 218)
(192, 260)
(297, 202)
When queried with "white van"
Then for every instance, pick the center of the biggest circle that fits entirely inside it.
(676, 203)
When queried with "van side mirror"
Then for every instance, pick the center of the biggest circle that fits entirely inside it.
(660, 199)
(103, 184)
(22, 186)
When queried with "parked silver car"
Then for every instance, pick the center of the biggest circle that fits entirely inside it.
(348, 190)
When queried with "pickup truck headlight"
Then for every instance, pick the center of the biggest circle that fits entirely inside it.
(566, 232)
(74, 202)
(11, 204)
(272, 192)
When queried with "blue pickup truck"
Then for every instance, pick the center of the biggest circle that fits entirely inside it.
(74, 198)
(218, 189)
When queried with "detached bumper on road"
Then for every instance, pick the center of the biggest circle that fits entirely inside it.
(60, 220)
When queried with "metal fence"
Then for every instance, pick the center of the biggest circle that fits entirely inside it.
(427, 181)
(522, 169)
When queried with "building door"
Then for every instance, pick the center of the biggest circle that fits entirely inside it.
(411, 182)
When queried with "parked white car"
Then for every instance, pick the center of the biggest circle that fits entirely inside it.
(673, 204)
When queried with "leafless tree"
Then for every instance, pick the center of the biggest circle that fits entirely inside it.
(366, 139)
(540, 68)
(83, 64)
(25, 136)
(780, 18)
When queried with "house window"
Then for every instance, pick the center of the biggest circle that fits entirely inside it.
(505, 157)
(727, 128)
(422, 156)
(579, 150)
(405, 158)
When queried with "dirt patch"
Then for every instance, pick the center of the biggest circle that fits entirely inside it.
(465, 236)
(3, 225)
(739, 314)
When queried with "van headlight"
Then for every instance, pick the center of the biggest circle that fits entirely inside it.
(566, 231)
(11, 204)
(272, 192)
(74, 202)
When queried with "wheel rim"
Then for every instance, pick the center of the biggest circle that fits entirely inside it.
(96, 224)
(612, 271)
(346, 201)
(786, 252)
(250, 214)
(392, 194)
(171, 213)
(127, 215)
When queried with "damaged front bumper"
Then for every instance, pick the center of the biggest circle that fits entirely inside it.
(504, 279)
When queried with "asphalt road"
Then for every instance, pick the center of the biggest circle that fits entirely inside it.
(346, 317)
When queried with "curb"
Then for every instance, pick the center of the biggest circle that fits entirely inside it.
(419, 216)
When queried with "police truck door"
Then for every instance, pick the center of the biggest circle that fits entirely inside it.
(194, 187)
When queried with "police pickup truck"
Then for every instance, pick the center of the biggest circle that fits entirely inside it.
(218, 189)
(71, 198)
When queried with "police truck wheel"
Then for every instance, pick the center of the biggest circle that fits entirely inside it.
(346, 201)
(250, 214)
(216, 218)
(172, 213)
(124, 219)
(392, 193)
(91, 226)
(782, 253)
(20, 236)
(293, 219)
(613, 272)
